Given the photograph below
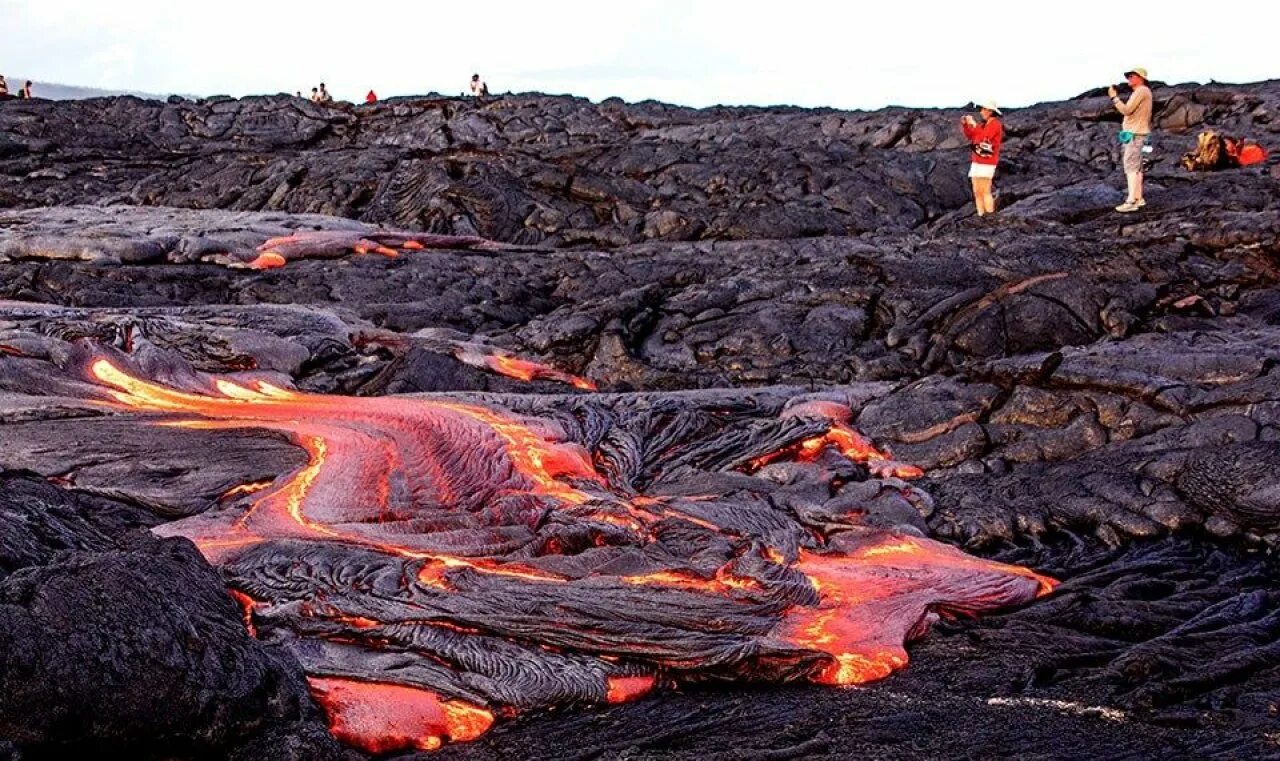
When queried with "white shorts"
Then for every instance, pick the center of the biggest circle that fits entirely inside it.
(982, 171)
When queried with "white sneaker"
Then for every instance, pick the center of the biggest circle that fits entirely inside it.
(1127, 207)
(1141, 202)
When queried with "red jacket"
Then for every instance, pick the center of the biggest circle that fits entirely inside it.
(990, 132)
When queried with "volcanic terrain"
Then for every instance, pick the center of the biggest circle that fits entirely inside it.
(532, 428)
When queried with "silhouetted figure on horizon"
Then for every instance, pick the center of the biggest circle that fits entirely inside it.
(371, 97)
(4, 87)
(25, 92)
(478, 87)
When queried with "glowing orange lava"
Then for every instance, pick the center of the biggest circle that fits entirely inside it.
(876, 597)
(267, 260)
(250, 488)
(391, 476)
(849, 443)
(623, 689)
(386, 718)
(247, 604)
(520, 369)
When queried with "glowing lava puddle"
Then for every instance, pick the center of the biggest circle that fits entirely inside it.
(436, 563)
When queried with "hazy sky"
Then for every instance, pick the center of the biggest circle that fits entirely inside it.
(697, 52)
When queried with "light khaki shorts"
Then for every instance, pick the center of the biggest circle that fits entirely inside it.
(1132, 154)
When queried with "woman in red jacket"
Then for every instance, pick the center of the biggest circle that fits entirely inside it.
(984, 146)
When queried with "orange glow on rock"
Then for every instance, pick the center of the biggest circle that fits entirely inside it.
(520, 369)
(875, 597)
(849, 443)
(247, 604)
(676, 579)
(386, 718)
(390, 476)
(533, 456)
(267, 260)
(249, 488)
(538, 466)
(357, 622)
(722, 584)
(622, 689)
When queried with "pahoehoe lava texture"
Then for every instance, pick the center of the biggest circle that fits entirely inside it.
(453, 556)
(1092, 396)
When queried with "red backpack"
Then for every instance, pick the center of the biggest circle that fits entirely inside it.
(1251, 153)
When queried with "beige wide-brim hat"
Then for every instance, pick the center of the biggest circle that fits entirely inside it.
(1140, 72)
(990, 105)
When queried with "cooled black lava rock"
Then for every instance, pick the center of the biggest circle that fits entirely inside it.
(121, 642)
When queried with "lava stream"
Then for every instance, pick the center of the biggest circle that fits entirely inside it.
(434, 542)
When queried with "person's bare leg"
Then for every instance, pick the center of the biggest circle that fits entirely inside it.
(982, 195)
(989, 196)
(1136, 191)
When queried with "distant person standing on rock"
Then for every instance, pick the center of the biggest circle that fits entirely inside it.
(984, 148)
(4, 87)
(315, 95)
(325, 97)
(1134, 134)
(478, 87)
(25, 92)
(371, 97)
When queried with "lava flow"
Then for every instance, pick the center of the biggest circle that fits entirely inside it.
(381, 718)
(437, 563)
(520, 369)
(866, 590)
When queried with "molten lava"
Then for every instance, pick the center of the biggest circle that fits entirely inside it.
(455, 562)
(848, 442)
(385, 718)
(268, 260)
(520, 369)
(863, 593)
(623, 689)
(331, 244)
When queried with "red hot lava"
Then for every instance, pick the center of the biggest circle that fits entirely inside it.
(438, 563)
(520, 369)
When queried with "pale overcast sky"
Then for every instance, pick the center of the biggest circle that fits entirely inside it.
(697, 52)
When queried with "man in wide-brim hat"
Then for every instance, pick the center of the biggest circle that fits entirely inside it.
(1134, 134)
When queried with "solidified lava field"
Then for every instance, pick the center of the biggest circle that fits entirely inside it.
(531, 428)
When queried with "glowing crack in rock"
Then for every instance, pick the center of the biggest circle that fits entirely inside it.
(436, 564)
(332, 244)
(520, 369)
